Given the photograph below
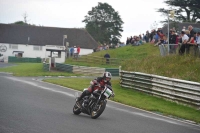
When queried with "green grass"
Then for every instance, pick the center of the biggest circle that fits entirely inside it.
(124, 53)
(147, 59)
(174, 66)
(72, 62)
(137, 99)
(32, 69)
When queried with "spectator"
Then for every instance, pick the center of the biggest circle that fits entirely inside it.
(130, 40)
(198, 43)
(177, 40)
(194, 44)
(191, 38)
(156, 38)
(172, 41)
(184, 43)
(107, 56)
(160, 30)
(187, 32)
(161, 38)
(183, 28)
(198, 39)
(143, 37)
(78, 51)
(75, 52)
(151, 35)
(147, 36)
(127, 41)
(72, 51)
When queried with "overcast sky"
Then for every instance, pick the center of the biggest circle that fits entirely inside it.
(138, 15)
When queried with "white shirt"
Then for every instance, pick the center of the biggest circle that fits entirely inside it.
(198, 40)
(185, 37)
(75, 50)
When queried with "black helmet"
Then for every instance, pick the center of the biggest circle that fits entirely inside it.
(107, 76)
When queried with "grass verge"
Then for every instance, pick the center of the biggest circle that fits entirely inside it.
(137, 99)
(147, 59)
(32, 69)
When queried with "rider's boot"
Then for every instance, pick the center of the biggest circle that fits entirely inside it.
(85, 93)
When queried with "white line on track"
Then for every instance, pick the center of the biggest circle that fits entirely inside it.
(42, 87)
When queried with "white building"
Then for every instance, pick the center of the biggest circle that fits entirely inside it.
(42, 42)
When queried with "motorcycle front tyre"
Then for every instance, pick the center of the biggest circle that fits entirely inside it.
(96, 114)
(76, 110)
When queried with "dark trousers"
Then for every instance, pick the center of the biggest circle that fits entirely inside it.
(184, 48)
(107, 61)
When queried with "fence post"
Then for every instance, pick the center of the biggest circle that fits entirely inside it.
(120, 68)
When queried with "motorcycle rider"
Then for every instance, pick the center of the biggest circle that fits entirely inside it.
(98, 83)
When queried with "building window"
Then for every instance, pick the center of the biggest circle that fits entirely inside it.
(13, 46)
(37, 48)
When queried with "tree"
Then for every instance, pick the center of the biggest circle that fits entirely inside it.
(25, 20)
(19, 22)
(189, 7)
(104, 24)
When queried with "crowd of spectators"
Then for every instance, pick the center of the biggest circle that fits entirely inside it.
(190, 39)
(184, 40)
(154, 36)
(180, 42)
(135, 40)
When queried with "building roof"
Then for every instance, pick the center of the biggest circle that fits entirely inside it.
(39, 35)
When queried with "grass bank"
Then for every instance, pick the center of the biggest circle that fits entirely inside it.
(32, 69)
(147, 59)
(137, 99)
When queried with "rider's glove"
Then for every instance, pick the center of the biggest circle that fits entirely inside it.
(113, 94)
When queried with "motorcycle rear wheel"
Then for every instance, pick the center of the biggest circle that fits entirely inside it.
(76, 110)
(96, 113)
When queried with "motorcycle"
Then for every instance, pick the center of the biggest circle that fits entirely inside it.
(94, 104)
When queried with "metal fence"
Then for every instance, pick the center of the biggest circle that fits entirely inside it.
(173, 89)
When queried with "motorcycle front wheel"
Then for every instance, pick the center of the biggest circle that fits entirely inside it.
(76, 110)
(99, 110)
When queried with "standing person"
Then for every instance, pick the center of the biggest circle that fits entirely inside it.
(161, 36)
(198, 43)
(75, 52)
(191, 39)
(172, 40)
(147, 37)
(194, 44)
(127, 41)
(78, 51)
(72, 51)
(184, 43)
